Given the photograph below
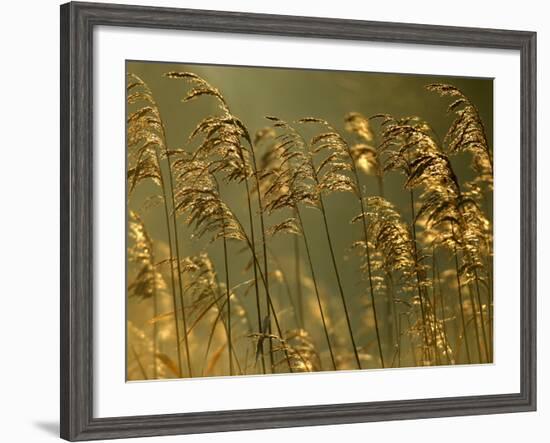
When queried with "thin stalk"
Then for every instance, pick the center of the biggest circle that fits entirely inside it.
(391, 325)
(261, 274)
(287, 290)
(463, 319)
(155, 334)
(209, 343)
(155, 314)
(399, 341)
(482, 319)
(298, 279)
(177, 247)
(173, 281)
(228, 302)
(219, 317)
(338, 280)
(489, 267)
(437, 278)
(242, 157)
(472, 301)
(264, 241)
(476, 278)
(312, 270)
(269, 332)
(490, 306)
(475, 320)
(277, 324)
(167, 220)
(394, 356)
(425, 350)
(393, 310)
(279, 330)
(253, 240)
(332, 255)
(367, 253)
(258, 271)
(138, 360)
(252, 244)
(433, 308)
(253, 252)
(413, 351)
(220, 309)
(461, 300)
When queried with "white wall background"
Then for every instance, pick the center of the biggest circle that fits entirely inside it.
(29, 225)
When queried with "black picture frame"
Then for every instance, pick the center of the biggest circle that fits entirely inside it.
(77, 23)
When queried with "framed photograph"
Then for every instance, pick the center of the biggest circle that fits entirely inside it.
(272, 221)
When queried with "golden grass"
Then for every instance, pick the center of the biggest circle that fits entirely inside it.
(425, 268)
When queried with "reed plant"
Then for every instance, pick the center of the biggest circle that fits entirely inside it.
(239, 306)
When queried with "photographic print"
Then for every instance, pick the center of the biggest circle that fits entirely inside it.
(290, 220)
